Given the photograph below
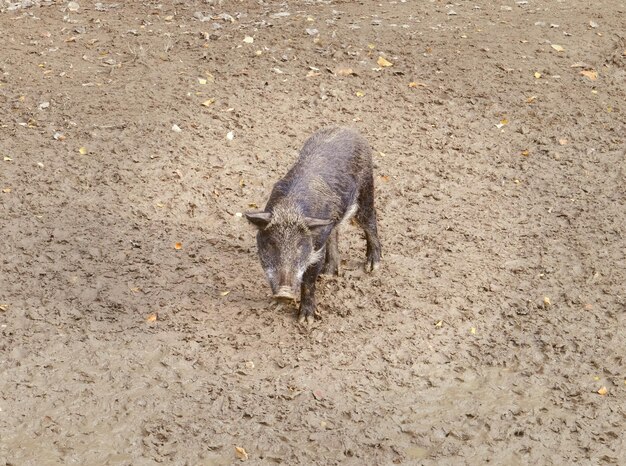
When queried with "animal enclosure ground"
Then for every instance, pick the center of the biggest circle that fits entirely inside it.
(134, 316)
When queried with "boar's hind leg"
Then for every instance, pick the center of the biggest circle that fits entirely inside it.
(366, 217)
(331, 264)
(307, 294)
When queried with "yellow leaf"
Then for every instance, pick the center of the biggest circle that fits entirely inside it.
(504, 121)
(208, 102)
(531, 99)
(383, 62)
(439, 324)
(178, 246)
(6, 190)
(603, 391)
(591, 75)
(4, 307)
(596, 378)
(359, 93)
(537, 74)
(473, 330)
(371, 46)
(82, 150)
(546, 301)
(241, 453)
(248, 39)
(201, 81)
(558, 48)
(224, 293)
(7, 158)
(151, 318)
(414, 84)
(525, 153)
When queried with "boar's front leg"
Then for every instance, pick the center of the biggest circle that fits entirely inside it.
(331, 264)
(307, 293)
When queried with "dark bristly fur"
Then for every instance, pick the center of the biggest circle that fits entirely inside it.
(298, 230)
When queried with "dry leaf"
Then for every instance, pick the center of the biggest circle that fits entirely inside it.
(178, 246)
(537, 74)
(241, 453)
(439, 324)
(7, 159)
(563, 142)
(546, 301)
(414, 84)
(592, 75)
(341, 71)
(525, 153)
(558, 48)
(383, 62)
(603, 391)
(4, 307)
(312, 74)
(82, 150)
(359, 93)
(6, 190)
(224, 293)
(208, 102)
(531, 99)
(384, 178)
(151, 318)
(201, 81)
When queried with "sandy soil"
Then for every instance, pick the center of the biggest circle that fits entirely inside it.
(499, 312)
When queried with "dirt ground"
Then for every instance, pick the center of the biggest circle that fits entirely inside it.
(136, 325)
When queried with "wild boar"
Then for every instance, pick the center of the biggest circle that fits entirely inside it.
(330, 182)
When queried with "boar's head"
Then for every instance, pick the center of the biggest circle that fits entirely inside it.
(286, 245)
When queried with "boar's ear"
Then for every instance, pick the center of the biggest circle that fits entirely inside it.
(259, 219)
(316, 222)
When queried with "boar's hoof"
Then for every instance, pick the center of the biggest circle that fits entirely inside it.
(306, 318)
(372, 266)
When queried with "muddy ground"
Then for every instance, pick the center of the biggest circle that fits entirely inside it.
(494, 331)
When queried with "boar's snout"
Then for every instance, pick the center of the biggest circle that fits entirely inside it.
(284, 293)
